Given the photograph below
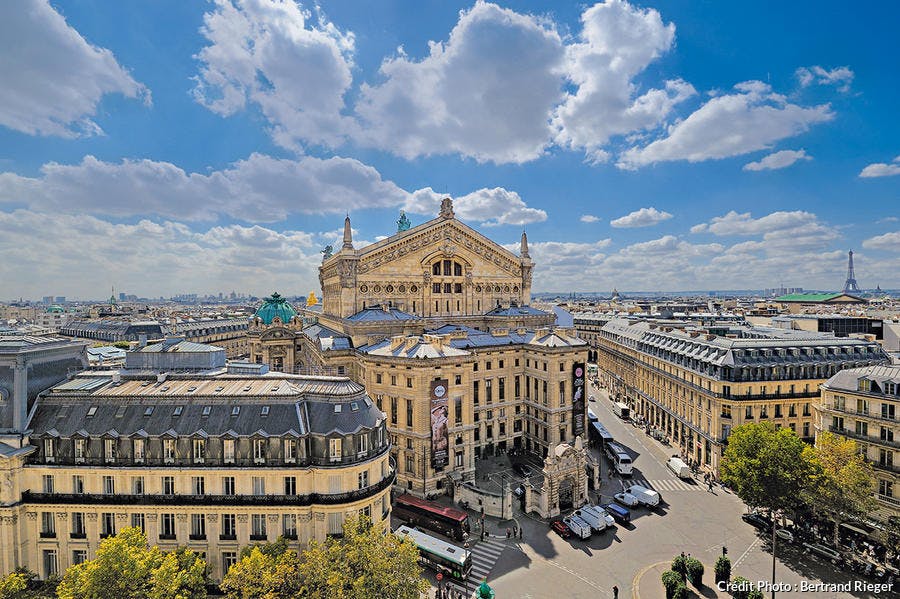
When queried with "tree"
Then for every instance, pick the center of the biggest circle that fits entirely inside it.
(671, 580)
(126, 568)
(269, 571)
(768, 468)
(845, 486)
(13, 585)
(695, 572)
(679, 566)
(723, 568)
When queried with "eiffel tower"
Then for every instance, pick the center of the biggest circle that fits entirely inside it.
(850, 286)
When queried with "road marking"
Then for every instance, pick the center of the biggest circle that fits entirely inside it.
(743, 555)
(484, 556)
(635, 582)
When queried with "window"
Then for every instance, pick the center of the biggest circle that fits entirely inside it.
(78, 484)
(748, 412)
(107, 525)
(334, 450)
(792, 411)
(109, 450)
(726, 411)
(259, 485)
(778, 410)
(885, 458)
(888, 411)
(258, 527)
(109, 485)
(229, 558)
(199, 451)
(167, 527)
(409, 383)
(409, 412)
(228, 451)
(562, 393)
(862, 406)
(80, 450)
(79, 556)
(137, 521)
(169, 451)
(336, 523)
(290, 451)
(458, 379)
(362, 444)
(806, 409)
(862, 428)
(137, 485)
(47, 483)
(363, 479)
(198, 527)
(50, 450)
(490, 431)
(168, 485)
(51, 565)
(378, 378)
(394, 380)
(518, 386)
(78, 530)
(805, 429)
(227, 485)
(393, 410)
(475, 392)
(198, 485)
(411, 463)
(502, 426)
(228, 527)
(488, 390)
(290, 485)
(885, 488)
(138, 452)
(459, 459)
(259, 451)
(289, 526)
(457, 410)
(48, 525)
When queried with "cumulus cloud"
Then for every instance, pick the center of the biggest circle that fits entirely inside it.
(645, 217)
(777, 160)
(589, 218)
(490, 207)
(275, 55)
(888, 241)
(561, 264)
(151, 258)
(258, 189)
(53, 79)
(779, 232)
(881, 169)
(839, 76)
(617, 42)
(487, 92)
(753, 118)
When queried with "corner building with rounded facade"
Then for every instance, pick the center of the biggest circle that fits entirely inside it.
(441, 305)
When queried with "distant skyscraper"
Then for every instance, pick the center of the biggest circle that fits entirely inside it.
(850, 285)
(60, 299)
(122, 296)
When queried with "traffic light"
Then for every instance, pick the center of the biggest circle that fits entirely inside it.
(724, 550)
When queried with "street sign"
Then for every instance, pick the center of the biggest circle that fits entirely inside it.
(439, 576)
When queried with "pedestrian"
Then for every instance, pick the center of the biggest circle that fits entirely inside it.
(615, 592)
(482, 533)
(507, 532)
(709, 486)
(520, 533)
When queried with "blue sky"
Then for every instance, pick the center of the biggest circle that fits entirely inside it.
(169, 147)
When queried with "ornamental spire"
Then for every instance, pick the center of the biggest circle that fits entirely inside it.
(523, 248)
(348, 235)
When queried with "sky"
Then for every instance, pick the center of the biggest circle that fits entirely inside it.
(165, 147)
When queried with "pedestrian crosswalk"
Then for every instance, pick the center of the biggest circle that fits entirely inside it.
(671, 484)
(484, 555)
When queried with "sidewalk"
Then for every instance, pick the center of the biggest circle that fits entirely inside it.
(647, 584)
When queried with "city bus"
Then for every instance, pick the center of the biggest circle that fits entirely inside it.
(439, 555)
(619, 457)
(599, 434)
(446, 520)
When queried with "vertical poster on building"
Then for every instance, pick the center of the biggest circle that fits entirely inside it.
(578, 392)
(440, 434)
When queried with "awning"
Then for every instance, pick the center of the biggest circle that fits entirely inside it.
(854, 528)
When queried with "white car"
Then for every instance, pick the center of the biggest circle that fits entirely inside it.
(626, 499)
(784, 534)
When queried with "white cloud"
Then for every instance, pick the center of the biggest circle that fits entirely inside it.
(645, 217)
(888, 241)
(617, 42)
(840, 76)
(491, 207)
(52, 78)
(257, 189)
(753, 118)
(887, 219)
(881, 169)
(777, 160)
(151, 258)
(487, 92)
(589, 218)
(563, 265)
(296, 69)
(735, 223)
(781, 231)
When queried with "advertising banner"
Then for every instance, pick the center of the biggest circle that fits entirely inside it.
(440, 416)
(578, 393)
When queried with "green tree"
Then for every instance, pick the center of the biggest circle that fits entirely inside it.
(768, 468)
(845, 487)
(13, 585)
(671, 580)
(265, 572)
(723, 568)
(126, 568)
(679, 566)
(695, 572)
(741, 587)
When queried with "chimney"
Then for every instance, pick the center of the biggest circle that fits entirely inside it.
(397, 341)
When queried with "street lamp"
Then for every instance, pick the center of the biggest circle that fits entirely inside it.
(774, 515)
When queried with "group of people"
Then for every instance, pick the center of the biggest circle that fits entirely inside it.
(448, 592)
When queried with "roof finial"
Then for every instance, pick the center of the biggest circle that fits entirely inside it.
(523, 249)
(348, 235)
(447, 208)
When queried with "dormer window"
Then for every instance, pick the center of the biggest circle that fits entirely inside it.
(169, 451)
(264, 411)
(228, 451)
(80, 450)
(290, 451)
(199, 451)
(50, 450)
(91, 411)
(148, 411)
(235, 410)
(334, 450)
(139, 451)
(259, 451)
(178, 411)
(109, 450)
(206, 411)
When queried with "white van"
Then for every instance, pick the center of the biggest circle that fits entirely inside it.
(622, 410)
(579, 527)
(597, 522)
(601, 513)
(680, 469)
(648, 497)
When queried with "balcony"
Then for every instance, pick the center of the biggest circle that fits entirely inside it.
(197, 537)
(864, 438)
(231, 537)
(48, 535)
(167, 537)
(214, 500)
(885, 467)
(259, 537)
(77, 535)
(889, 500)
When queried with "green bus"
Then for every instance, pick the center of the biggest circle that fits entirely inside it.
(439, 555)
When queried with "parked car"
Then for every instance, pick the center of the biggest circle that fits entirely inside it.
(619, 513)
(784, 534)
(823, 551)
(757, 520)
(626, 499)
(560, 528)
(646, 496)
(522, 469)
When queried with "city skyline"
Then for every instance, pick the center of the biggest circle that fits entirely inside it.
(643, 146)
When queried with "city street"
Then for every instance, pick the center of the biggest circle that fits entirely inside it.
(691, 519)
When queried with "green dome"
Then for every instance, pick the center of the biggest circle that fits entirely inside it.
(54, 309)
(275, 306)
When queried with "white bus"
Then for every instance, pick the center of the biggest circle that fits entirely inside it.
(439, 555)
(619, 457)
